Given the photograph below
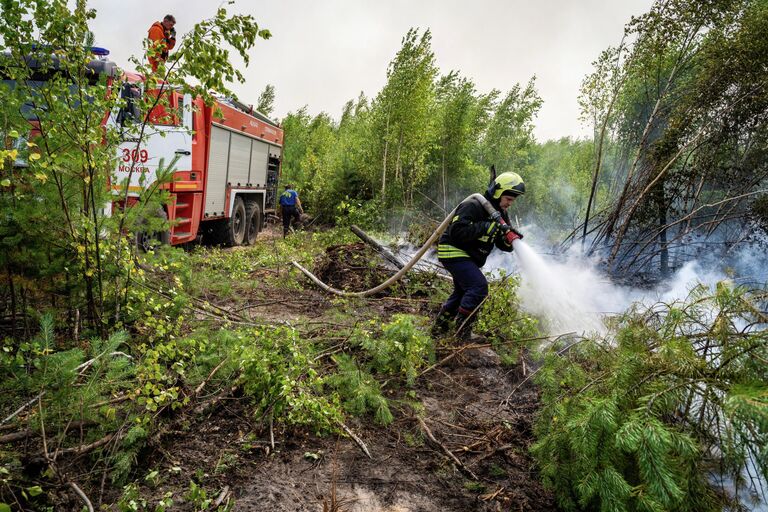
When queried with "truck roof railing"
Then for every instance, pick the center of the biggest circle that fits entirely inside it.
(246, 109)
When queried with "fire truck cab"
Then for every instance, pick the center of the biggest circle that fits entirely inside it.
(226, 163)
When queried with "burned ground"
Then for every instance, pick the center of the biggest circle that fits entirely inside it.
(226, 448)
(456, 443)
(459, 403)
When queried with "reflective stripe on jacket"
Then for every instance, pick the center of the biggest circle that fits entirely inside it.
(472, 234)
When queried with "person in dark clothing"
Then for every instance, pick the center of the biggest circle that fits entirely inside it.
(290, 208)
(464, 247)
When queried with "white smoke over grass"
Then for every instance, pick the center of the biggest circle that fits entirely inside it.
(567, 296)
(570, 294)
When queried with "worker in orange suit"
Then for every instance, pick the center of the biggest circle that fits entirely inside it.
(162, 37)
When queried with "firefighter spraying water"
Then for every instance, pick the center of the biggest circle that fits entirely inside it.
(478, 225)
(469, 233)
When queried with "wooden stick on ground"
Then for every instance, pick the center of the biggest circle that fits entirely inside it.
(199, 388)
(448, 452)
(222, 496)
(82, 496)
(17, 411)
(461, 349)
(16, 436)
(354, 436)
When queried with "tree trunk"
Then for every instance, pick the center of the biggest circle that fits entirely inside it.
(398, 162)
(445, 191)
(384, 163)
(662, 215)
(598, 162)
(383, 251)
(624, 196)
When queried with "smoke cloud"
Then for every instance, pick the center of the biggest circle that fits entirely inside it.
(569, 293)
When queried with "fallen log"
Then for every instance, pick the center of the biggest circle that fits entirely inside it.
(383, 251)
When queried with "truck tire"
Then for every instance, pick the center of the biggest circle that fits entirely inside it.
(234, 228)
(253, 225)
(145, 240)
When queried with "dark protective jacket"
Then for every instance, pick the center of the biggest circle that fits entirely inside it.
(472, 234)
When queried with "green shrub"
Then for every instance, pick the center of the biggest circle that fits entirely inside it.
(278, 371)
(502, 320)
(365, 213)
(402, 348)
(360, 392)
(637, 423)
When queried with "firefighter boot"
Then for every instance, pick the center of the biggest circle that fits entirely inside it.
(465, 320)
(442, 323)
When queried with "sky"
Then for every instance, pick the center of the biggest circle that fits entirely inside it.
(325, 52)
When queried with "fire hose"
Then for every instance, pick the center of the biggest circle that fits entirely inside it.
(510, 236)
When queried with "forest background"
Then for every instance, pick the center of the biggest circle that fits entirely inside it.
(677, 109)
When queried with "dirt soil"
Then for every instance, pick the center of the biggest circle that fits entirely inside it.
(407, 471)
(353, 267)
(489, 467)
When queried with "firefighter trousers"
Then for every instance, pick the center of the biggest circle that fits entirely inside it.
(289, 213)
(470, 286)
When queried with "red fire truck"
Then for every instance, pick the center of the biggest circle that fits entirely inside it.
(227, 157)
(227, 164)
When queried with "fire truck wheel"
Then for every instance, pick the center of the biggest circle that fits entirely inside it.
(145, 240)
(253, 226)
(235, 227)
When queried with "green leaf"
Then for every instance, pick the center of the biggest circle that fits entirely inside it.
(311, 456)
(5, 182)
(35, 490)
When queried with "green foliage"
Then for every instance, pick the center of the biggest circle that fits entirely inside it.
(636, 426)
(402, 348)
(508, 141)
(424, 140)
(203, 55)
(278, 370)
(403, 117)
(558, 182)
(364, 214)
(360, 392)
(266, 102)
(226, 273)
(130, 500)
(198, 497)
(59, 152)
(673, 107)
(502, 320)
(397, 349)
